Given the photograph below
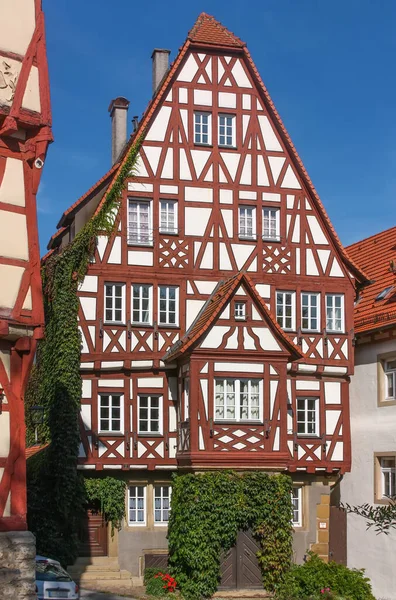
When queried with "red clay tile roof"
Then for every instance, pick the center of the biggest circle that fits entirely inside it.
(32, 450)
(375, 254)
(55, 236)
(212, 309)
(209, 31)
(80, 201)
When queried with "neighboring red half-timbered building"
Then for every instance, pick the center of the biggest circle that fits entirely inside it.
(25, 132)
(217, 320)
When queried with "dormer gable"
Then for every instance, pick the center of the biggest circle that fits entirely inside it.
(235, 318)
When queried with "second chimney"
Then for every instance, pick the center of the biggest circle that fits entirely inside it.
(160, 59)
(118, 110)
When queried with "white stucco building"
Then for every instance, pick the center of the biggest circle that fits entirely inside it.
(373, 412)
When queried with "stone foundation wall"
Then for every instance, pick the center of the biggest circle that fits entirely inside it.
(17, 565)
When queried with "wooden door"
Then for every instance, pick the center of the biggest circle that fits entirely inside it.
(93, 535)
(338, 535)
(239, 566)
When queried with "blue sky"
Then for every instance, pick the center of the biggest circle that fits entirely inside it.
(329, 67)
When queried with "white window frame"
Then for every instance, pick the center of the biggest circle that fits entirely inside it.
(142, 238)
(199, 125)
(149, 419)
(167, 300)
(165, 227)
(306, 422)
(276, 211)
(296, 496)
(140, 298)
(226, 135)
(136, 496)
(309, 306)
(111, 431)
(186, 397)
(281, 317)
(243, 231)
(390, 373)
(240, 310)
(113, 297)
(237, 400)
(162, 522)
(388, 473)
(333, 319)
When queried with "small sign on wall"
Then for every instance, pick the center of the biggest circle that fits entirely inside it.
(322, 525)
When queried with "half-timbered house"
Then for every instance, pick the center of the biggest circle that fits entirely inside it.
(217, 320)
(25, 132)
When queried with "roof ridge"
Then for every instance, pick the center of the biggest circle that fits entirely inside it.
(366, 239)
(228, 287)
(208, 30)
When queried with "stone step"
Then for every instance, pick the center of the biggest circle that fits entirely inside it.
(103, 575)
(89, 568)
(96, 560)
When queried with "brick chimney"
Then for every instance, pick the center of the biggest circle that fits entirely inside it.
(118, 110)
(160, 59)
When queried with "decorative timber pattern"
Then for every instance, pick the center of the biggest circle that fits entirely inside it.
(25, 132)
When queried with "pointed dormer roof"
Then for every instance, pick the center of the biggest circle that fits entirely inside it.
(209, 31)
(213, 308)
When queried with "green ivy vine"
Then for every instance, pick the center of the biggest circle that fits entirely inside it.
(56, 494)
(208, 510)
(107, 494)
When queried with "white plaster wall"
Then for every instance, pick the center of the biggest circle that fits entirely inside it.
(373, 430)
(16, 33)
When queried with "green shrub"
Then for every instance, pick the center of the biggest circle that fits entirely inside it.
(158, 583)
(310, 580)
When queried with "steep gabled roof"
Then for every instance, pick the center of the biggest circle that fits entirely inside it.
(209, 31)
(375, 254)
(56, 237)
(213, 308)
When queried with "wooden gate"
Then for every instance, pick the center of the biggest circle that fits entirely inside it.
(93, 535)
(239, 566)
(338, 535)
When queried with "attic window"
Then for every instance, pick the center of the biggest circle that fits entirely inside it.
(384, 293)
(240, 311)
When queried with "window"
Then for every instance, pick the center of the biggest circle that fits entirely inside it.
(150, 414)
(390, 379)
(308, 416)
(202, 128)
(384, 293)
(110, 413)
(240, 311)
(168, 301)
(140, 229)
(162, 497)
(137, 505)
(271, 224)
(310, 311)
(168, 216)
(388, 477)
(297, 506)
(186, 393)
(114, 302)
(238, 399)
(285, 309)
(334, 312)
(141, 303)
(227, 130)
(247, 225)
